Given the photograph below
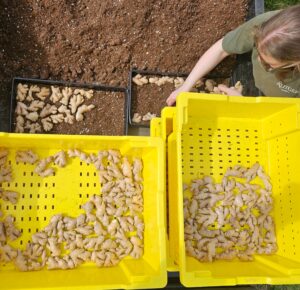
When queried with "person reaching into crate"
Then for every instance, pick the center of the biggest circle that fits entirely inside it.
(274, 39)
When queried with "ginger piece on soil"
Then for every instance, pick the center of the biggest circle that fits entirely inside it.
(21, 109)
(20, 120)
(137, 118)
(56, 95)
(209, 85)
(60, 159)
(153, 80)
(64, 109)
(178, 82)
(67, 93)
(36, 105)
(140, 80)
(33, 127)
(33, 116)
(69, 118)
(79, 91)
(10, 196)
(59, 118)
(43, 94)
(19, 124)
(83, 109)
(88, 94)
(163, 80)
(169, 79)
(47, 110)
(75, 102)
(199, 83)
(32, 89)
(47, 125)
(41, 168)
(239, 86)
(26, 156)
(21, 92)
(148, 116)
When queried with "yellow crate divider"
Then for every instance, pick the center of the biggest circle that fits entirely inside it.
(41, 198)
(155, 127)
(213, 132)
(163, 127)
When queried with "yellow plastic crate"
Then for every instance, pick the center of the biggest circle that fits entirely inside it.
(214, 132)
(163, 127)
(41, 198)
(155, 127)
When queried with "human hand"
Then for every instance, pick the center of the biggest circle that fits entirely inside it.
(172, 98)
(232, 91)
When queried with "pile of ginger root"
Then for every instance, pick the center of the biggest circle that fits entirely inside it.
(39, 108)
(110, 228)
(231, 219)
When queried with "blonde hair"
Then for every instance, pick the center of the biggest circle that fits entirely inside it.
(279, 36)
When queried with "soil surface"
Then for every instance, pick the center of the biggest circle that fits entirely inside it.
(107, 118)
(149, 98)
(98, 41)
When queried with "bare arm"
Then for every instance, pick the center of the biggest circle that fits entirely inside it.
(208, 61)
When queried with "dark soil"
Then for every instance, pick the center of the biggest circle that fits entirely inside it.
(107, 118)
(149, 98)
(152, 98)
(98, 41)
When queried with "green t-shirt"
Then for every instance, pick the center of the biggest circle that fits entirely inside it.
(241, 40)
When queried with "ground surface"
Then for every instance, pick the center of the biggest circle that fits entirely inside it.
(98, 41)
(108, 117)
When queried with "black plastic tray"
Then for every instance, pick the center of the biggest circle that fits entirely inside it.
(133, 72)
(95, 87)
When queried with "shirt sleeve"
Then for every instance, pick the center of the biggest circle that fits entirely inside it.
(241, 39)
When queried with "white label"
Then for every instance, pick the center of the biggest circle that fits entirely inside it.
(286, 88)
